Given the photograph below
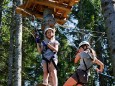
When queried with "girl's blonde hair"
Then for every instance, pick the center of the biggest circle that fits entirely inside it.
(93, 54)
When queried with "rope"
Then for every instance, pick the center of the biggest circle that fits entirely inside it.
(66, 37)
(82, 32)
(65, 26)
(29, 31)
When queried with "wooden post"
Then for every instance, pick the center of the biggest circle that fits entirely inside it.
(48, 19)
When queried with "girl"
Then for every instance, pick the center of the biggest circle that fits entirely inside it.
(87, 57)
(49, 49)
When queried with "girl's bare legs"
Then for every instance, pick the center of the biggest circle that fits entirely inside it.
(50, 80)
(45, 74)
(70, 82)
(54, 77)
(53, 72)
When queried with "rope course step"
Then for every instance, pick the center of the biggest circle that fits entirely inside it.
(61, 8)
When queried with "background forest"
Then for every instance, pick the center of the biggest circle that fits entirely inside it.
(86, 22)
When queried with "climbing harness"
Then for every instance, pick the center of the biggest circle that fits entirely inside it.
(50, 59)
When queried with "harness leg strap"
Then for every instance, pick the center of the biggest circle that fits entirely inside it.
(54, 64)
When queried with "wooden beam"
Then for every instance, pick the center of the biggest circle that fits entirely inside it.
(72, 2)
(53, 5)
(22, 11)
(30, 4)
(59, 9)
(28, 13)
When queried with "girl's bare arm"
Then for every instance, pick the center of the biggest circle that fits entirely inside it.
(98, 62)
(39, 48)
(54, 48)
(77, 58)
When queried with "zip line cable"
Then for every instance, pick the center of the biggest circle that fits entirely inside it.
(29, 31)
(65, 26)
(82, 31)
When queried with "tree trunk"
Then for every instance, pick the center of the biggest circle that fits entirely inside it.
(108, 8)
(1, 1)
(11, 50)
(10, 59)
(18, 46)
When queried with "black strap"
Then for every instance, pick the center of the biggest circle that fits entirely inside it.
(47, 61)
(54, 64)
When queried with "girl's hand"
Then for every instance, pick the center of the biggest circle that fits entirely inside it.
(44, 44)
(98, 62)
(98, 70)
(37, 40)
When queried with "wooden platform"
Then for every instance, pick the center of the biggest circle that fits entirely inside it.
(61, 8)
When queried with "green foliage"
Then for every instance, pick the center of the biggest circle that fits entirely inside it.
(4, 44)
